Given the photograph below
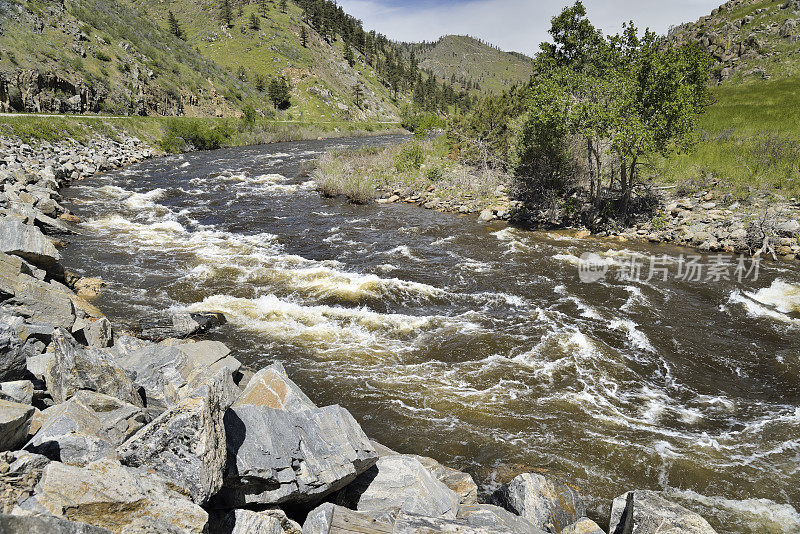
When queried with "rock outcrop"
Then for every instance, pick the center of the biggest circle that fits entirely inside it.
(547, 502)
(647, 512)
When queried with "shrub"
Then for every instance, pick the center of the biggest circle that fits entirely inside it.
(102, 56)
(434, 174)
(194, 134)
(249, 115)
(411, 156)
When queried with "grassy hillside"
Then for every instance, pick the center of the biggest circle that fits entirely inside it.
(322, 81)
(460, 58)
(750, 136)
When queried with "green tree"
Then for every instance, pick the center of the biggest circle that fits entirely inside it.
(278, 92)
(575, 40)
(263, 9)
(304, 37)
(348, 55)
(259, 82)
(283, 5)
(226, 13)
(174, 26)
(358, 92)
(255, 23)
(249, 115)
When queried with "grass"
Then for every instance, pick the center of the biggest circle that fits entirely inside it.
(750, 142)
(413, 167)
(176, 134)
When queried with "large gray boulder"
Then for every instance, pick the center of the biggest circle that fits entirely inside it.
(13, 356)
(185, 445)
(329, 517)
(20, 391)
(272, 388)
(272, 521)
(25, 295)
(75, 367)
(109, 495)
(87, 427)
(400, 483)
(27, 242)
(583, 526)
(647, 512)
(275, 456)
(547, 502)
(38, 524)
(407, 523)
(162, 370)
(15, 419)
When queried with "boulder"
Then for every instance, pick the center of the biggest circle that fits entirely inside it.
(38, 301)
(400, 483)
(276, 456)
(13, 356)
(788, 228)
(87, 427)
(37, 524)
(15, 418)
(98, 334)
(271, 388)
(647, 512)
(75, 367)
(185, 445)
(545, 501)
(407, 523)
(27, 242)
(329, 517)
(20, 479)
(162, 370)
(179, 325)
(493, 517)
(273, 521)
(20, 391)
(459, 482)
(109, 495)
(583, 526)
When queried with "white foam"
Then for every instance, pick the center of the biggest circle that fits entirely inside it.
(775, 302)
(756, 515)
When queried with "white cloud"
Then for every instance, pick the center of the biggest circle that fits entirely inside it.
(515, 24)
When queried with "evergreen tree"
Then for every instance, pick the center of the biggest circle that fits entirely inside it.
(226, 13)
(358, 92)
(283, 6)
(259, 82)
(304, 37)
(348, 55)
(279, 92)
(262, 8)
(174, 26)
(255, 24)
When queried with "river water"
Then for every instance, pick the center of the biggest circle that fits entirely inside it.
(476, 344)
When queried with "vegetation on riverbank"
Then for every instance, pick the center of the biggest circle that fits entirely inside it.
(176, 134)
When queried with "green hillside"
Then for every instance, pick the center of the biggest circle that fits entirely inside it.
(465, 61)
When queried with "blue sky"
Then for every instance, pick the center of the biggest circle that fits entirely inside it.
(513, 24)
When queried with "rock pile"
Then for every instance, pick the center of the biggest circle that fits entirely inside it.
(103, 432)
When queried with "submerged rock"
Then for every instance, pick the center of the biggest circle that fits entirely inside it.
(647, 512)
(109, 495)
(547, 502)
(276, 456)
(400, 483)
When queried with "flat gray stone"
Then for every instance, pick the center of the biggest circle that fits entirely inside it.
(20, 391)
(264, 522)
(458, 481)
(15, 419)
(272, 388)
(27, 242)
(15, 524)
(493, 517)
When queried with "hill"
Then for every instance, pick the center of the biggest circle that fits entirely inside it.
(121, 57)
(471, 64)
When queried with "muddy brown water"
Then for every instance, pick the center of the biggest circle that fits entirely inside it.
(476, 344)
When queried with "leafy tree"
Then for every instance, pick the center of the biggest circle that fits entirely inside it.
(174, 26)
(249, 115)
(226, 13)
(278, 92)
(255, 23)
(304, 37)
(575, 40)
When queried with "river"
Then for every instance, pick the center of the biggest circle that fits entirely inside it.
(476, 344)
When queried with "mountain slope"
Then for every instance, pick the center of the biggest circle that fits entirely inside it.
(461, 59)
(749, 39)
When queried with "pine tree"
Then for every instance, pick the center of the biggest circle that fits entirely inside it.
(348, 55)
(174, 26)
(283, 6)
(255, 24)
(225, 13)
(279, 92)
(262, 8)
(304, 37)
(358, 92)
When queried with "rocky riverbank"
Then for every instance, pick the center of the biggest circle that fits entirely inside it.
(103, 431)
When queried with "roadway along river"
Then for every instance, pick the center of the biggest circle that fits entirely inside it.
(475, 344)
